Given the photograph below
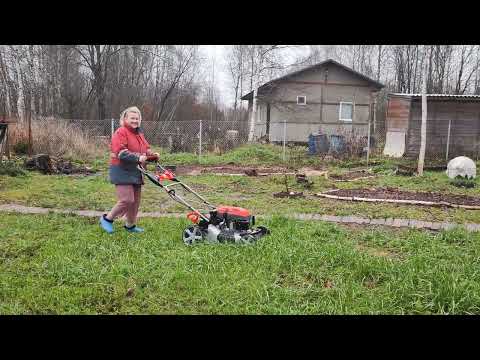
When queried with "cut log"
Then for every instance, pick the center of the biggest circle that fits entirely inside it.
(40, 162)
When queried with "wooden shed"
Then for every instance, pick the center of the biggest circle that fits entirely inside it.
(453, 125)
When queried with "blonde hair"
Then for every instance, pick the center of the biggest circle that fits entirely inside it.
(125, 112)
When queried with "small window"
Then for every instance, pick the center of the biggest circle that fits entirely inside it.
(301, 100)
(346, 111)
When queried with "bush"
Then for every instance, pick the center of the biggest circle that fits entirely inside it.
(465, 182)
(21, 147)
(10, 168)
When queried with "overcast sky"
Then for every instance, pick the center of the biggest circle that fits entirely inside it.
(217, 53)
(222, 82)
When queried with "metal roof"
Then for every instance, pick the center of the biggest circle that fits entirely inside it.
(328, 61)
(308, 68)
(438, 96)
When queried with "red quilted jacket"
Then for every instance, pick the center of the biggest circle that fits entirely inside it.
(127, 141)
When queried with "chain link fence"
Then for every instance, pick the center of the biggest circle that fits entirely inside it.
(191, 136)
(355, 141)
(453, 129)
(212, 136)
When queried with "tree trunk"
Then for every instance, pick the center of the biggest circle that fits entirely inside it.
(5, 77)
(430, 67)
(253, 116)
(101, 106)
(379, 61)
(21, 95)
(36, 83)
(235, 104)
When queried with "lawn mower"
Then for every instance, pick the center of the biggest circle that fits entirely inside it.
(213, 224)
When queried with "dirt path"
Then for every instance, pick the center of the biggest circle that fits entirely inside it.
(88, 213)
(353, 220)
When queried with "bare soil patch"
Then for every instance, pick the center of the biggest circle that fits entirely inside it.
(352, 175)
(194, 170)
(406, 170)
(381, 252)
(422, 198)
(291, 194)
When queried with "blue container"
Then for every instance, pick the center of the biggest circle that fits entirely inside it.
(322, 144)
(312, 149)
(338, 144)
(318, 144)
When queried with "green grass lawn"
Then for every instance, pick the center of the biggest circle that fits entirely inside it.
(58, 264)
(55, 264)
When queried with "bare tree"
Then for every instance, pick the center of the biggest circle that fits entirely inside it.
(97, 58)
(6, 82)
(184, 61)
(265, 63)
(236, 70)
(465, 68)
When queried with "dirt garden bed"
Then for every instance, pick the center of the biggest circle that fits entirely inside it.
(406, 170)
(393, 195)
(243, 170)
(352, 175)
(289, 194)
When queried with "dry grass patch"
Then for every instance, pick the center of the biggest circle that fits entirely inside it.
(58, 138)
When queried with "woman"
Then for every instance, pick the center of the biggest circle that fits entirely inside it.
(128, 149)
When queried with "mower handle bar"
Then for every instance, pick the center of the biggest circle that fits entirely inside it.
(172, 193)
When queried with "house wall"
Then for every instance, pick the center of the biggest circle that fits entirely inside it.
(302, 120)
(260, 125)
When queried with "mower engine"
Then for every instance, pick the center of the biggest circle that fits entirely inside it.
(227, 224)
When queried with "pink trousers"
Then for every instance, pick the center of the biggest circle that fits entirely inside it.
(128, 197)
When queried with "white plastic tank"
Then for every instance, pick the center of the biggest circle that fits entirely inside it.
(461, 166)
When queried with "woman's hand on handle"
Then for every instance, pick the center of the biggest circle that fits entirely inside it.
(152, 157)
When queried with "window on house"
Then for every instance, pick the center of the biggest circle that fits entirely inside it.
(346, 111)
(301, 100)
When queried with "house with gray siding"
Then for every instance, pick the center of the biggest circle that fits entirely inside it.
(328, 98)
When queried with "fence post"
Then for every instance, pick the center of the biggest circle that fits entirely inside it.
(284, 138)
(368, 141)
(30, 144)
(200, 143)
(113, 127)
(448, 139)
(7, 143)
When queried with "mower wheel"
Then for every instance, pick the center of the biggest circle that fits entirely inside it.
(192, 235)
(248, 239)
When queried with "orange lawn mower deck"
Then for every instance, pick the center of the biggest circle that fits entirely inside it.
(213, 224)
